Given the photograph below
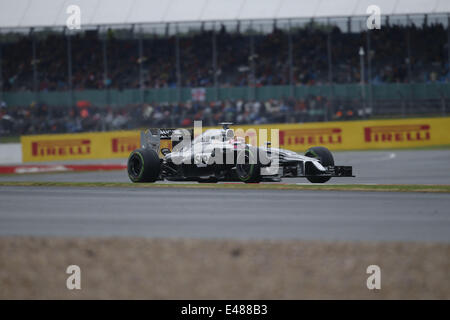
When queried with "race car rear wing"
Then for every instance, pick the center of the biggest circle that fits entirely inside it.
(162, 140)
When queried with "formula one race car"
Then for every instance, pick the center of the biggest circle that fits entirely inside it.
(220, 155)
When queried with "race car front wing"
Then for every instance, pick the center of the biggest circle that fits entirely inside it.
(339, 171)
(298, 171)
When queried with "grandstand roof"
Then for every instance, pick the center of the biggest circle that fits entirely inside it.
(52, 13)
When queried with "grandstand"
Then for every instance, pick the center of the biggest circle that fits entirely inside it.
(146, 63)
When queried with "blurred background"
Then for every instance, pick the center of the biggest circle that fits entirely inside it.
(289, 65)
(145, 64)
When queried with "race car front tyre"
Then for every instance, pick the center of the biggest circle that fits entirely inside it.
(143, 165)
(326, 159)
(247, 167)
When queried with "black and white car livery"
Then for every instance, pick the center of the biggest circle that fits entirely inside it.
(220, 155)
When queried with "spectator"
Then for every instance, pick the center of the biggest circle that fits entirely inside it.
(270, 61)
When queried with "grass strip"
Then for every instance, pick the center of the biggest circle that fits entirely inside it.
(240, 186)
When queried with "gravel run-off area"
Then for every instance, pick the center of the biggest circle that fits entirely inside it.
(140, 268)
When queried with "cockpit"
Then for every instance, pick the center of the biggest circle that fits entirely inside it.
(214, 135)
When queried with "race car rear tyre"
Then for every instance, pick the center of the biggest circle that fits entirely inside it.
(247, 167)
(326, 159)
(143, 165)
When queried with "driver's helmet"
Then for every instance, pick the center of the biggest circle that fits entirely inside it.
(229, 134)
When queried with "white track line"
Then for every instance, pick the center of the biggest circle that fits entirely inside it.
(390, 156)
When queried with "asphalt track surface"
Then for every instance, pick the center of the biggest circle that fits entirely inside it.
(218, 213)
(372, 167)
(239, 214)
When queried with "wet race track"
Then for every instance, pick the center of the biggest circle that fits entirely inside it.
(247, 214)
(373, 167)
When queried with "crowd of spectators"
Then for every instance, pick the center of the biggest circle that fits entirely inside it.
(270, 61)
(398, 54)
(37, 119)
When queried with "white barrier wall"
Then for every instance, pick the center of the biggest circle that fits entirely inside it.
(10, 153)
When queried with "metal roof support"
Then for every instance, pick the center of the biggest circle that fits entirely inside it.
(448, 41)
(251, 75)
(362, 81)
(214, 63)
(178, 63)
(69, 68)
(330, 67)
(369, 68)
(34, 63)
(141, 66)
(408, 48)
(106, 82)
(291, 60)
(1, 74)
